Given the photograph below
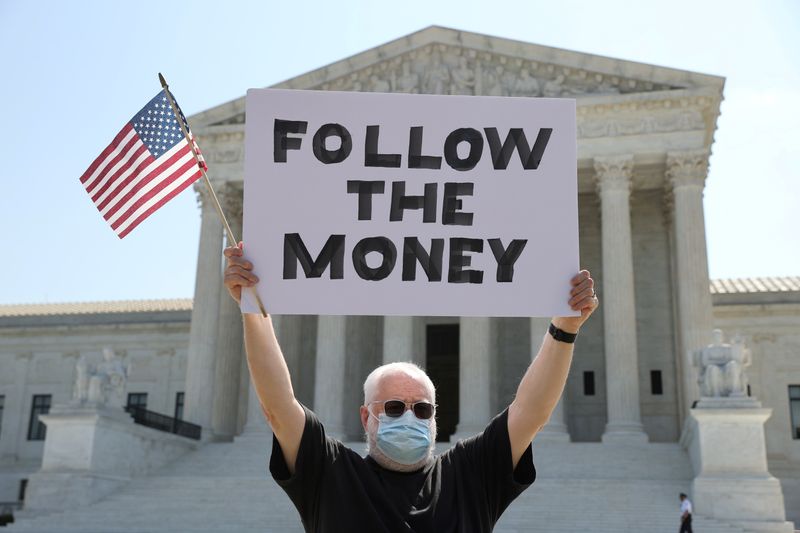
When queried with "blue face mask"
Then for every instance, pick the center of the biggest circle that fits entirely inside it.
(405, 439)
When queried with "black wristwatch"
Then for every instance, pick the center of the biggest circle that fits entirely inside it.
(561, 335)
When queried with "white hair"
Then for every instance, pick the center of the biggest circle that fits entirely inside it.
(409, 369)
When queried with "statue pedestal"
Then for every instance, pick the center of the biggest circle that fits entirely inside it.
(90, 451)
(725, 440)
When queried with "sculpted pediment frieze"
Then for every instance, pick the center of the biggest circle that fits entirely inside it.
(448, 69)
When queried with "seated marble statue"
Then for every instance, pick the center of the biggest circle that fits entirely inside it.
(722, 367)
(102, 384)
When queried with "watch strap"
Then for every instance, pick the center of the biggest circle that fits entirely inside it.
(561, 335)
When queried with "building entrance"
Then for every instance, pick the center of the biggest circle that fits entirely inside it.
(441, 349)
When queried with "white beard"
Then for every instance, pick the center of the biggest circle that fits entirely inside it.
(387, 463)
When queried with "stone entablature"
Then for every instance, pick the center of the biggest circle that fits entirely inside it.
(647, 127)
(602, 116)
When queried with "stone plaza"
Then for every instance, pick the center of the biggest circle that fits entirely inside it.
(657, 401)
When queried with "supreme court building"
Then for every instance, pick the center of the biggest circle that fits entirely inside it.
(644, 139)
(645, 134)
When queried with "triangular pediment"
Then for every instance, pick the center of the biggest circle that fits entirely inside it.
(444, 61)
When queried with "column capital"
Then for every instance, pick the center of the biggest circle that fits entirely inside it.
(476, 345)
(613, 173)
(202, 195)
(231, 196)
(687, 169)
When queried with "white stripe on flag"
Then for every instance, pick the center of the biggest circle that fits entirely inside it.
(122, 177)
(141, 176)
(177, 181)
(141, 192)
(101, 168)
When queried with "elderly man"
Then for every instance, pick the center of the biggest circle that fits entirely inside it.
(401, 486)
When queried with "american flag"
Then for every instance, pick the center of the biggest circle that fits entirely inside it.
(145, 166)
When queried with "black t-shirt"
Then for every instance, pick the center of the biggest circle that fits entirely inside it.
(463, 490)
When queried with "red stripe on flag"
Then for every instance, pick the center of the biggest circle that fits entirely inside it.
(194, 177)
(99, 192)
(201, 160)
(121, 156)
(124, 183)
(110, 148)
(153, 174)
(183, 169)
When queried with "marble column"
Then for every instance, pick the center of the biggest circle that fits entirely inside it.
(400, 336)
(331, 365)
(228, 367)
(205, 311)
(556, 427)
(476, 345)
(686, 172)
(613, 175)
(14, 437)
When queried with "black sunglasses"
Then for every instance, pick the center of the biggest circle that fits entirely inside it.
(396, 408)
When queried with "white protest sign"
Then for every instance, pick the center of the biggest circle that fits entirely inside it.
(401, 204)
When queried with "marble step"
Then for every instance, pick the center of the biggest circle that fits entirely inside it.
(226, 487)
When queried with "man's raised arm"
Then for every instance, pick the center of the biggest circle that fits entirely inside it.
(268, 368)
(543, 382)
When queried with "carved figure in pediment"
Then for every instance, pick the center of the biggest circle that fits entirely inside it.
(492, 81)
(507, 82)
(554, 88)
(437, 75)
(525, 85)
(606, 88)
(463, 78)
(408, 82)
(377, 85)
(575, 90)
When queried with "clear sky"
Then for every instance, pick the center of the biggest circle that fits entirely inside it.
(74, 72)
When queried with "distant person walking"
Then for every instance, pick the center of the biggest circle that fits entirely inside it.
(686, 514)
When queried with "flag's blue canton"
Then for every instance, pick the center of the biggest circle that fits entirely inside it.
(156, 125)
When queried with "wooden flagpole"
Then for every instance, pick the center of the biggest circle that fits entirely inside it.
(212, 194)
